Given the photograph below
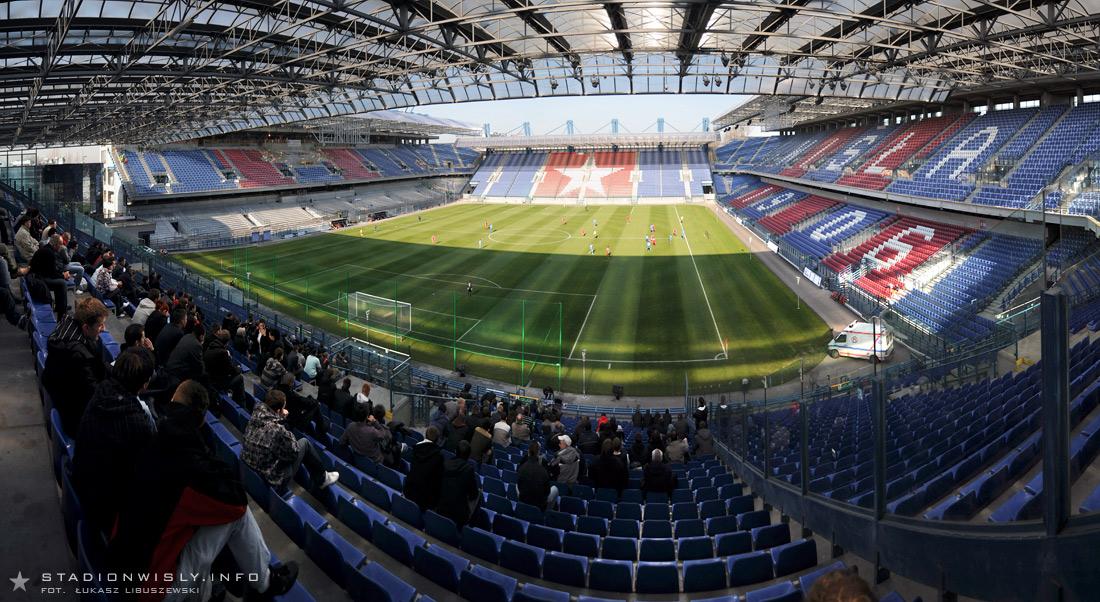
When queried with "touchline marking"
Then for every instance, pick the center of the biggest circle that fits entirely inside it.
(524, 290)
(590, 306)
(468, 277)
(700, 277)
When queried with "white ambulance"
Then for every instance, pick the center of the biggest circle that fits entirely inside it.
(855, 341)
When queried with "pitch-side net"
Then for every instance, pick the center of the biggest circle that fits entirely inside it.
(382, 313)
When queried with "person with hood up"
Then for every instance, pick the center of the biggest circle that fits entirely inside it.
(481, 442)
(424, 485)
(440, 422)
(703, 444)
(461, 489)
(146, 307)
(459, 432)
(567, 461)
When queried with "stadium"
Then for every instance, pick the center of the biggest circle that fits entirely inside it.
(281, 330)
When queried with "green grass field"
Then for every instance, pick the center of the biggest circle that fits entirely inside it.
(645, 319)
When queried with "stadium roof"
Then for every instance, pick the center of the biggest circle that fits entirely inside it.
(93, 71)
(396, 122)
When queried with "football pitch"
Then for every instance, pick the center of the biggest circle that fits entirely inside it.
(546, 300)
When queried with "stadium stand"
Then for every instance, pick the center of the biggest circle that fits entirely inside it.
(895, 150)
(819, 238)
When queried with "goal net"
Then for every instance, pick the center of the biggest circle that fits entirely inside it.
(382, 313)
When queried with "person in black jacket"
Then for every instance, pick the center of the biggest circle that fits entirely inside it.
(326, 386)
(170, 336)
(156, 321)
(343, 400)
(461, 491)
(76, 361)
(658, 475)
(587, 441)
(636, 419)
(113, 432)
(638, 452)
(424, 485)
(185, 361)
(184, 505)
(607, 470)
(225, 374)
(533, 480)
(44, 264)
(303, 410)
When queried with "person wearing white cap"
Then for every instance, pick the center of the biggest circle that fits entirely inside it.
(568, 461)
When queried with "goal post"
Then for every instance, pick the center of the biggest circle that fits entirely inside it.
(382, 313)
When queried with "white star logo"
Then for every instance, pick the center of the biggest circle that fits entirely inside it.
(576, 174)
(20, 582)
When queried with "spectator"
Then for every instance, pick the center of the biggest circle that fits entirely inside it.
(459, 431)
(185, 362)
(25, 241)
(533, 480)
(70, 259)
(617, 451)
(636, 419)
(363, 396)
(587, 441)
(583, 424)
(460, 490)
(842, 585)
(130, 291)
(293, 361)
(108, 286)
(647, 420)
(683, 428)
(146, 307)
(304, 410)
(678, 451)
(170, 336)
(157, 321)
(700, 413)
(326, 386)
(184, 505)
(240, 341)
(608, 471)
(225, 374)
(343, 402)
(439, 420)
(368, 435)
(481, 442)
(638, 452)
(114, 430)
(502, 431)
(273, 371)
(703, 443)
(76, 361)
(521, 429)
(313, 365)
(134, 336)
(50, 229)
(567, 461)
(271, 450)
(658, 475)
(602, 421)
(424, 485)
(44, 265)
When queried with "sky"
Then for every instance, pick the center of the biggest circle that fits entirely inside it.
(636, 114)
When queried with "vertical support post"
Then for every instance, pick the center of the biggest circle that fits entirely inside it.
(1055, 348)
(878, 440)
(744, 432)
(767, 434)
(307, 289)
(559, 343)
(347, 305)
(522, 338)
(803, 425)
(454, 332)
(394, 315)
(273, 308)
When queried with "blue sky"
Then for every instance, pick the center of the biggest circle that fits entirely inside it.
(682, 112)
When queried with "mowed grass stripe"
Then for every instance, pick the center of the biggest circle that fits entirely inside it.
(649, 320)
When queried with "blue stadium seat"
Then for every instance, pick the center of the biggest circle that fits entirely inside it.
(739, 505)
(374, 582)
(633, 496)
(498, 504)
(397, 541)
(547, 538)
(378, 494)
(620, 548)
(592, 524)
(682, 496)
(439, 565)
(292, 515)
(712, 509)
(572, 505)
(511, 528)
(622, 527)
(482, 584)
(688, 527)
(771, 536)
(601, 509)
(331, 553)
(529, 513)
(481, 543)
(612, 575)
(657, 550)
(561, 520)
(493, 486)
(256, 487)
(91, 554)
(407, 511)
(807, 580)
(731, 544)
(750, 568)
(704, 575)
(793, 557)
(694, 548)
(358, 517)
(750, 520)
(61, 444)
(657, 578)
(584, 492)
(782, 592)
(441, 528)
(684, 510)
(628, 510)
(535, 593)
(566, 569)
(605, 494)
(522, 558)
(71, 509)
(581, 544)
(657, 511)
(656, 497)
(656, 528)
(721, 524)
